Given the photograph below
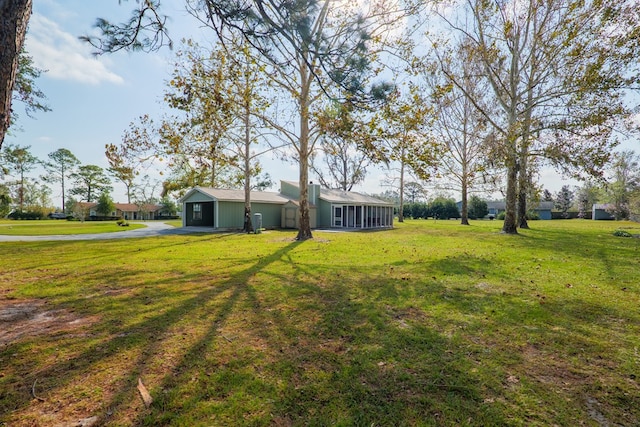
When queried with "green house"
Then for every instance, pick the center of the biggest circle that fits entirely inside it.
(224, 209)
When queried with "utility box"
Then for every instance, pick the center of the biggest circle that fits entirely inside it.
(257, 223)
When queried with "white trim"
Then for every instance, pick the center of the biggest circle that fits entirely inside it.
(216, 221)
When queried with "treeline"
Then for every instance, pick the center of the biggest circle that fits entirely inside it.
(442, 208)
(28, 182)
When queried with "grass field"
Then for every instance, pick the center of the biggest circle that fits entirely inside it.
(431, 323)
(58, 227)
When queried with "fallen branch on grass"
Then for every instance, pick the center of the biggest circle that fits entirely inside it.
(146, 397)
(33, 391)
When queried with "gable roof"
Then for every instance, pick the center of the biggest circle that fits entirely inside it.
(132, 207)
(346, 197)
(331, 196)
(350, 197)
(124, 207)
(237, 195)
(540, 206)
(602, 206)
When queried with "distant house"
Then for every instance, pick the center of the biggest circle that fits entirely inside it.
(129, 211)
(224, 209)
(601, 212)
(495, 208)
(543, 209)
(144, 211)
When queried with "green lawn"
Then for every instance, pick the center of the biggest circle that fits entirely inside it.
(60, 227)
(174, 222)
(431, 323)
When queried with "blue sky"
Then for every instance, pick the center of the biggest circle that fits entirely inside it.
(93, 99)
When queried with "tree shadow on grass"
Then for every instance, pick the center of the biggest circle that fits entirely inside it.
(276, 342)
(328, 357)
(383, 358)
(141, 339)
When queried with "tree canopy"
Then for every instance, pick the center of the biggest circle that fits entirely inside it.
(558, 70)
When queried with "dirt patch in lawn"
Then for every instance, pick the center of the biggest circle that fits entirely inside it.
(30, 318)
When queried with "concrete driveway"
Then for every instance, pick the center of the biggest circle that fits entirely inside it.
(151, 229)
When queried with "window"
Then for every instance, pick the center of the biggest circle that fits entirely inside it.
(197, 211)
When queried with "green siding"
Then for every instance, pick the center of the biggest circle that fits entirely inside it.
(293, 192)
(271, 214)
(324, 214)
(198, 197)
(289, 190)
(231, 214)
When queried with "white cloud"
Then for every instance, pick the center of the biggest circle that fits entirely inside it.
(64, 56)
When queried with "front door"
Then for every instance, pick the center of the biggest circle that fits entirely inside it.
(337, 216)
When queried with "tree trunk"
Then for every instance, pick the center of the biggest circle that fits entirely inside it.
(63, 201)
(523, 187)
(401, 207)
(304, 230)
(21, 192)
(14, 17)
(509, 226)
(464, 209)
(248, 225)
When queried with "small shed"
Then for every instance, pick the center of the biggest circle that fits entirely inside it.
(544, 209)
(601, 212)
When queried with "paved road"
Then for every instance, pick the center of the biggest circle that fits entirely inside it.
(151, 229)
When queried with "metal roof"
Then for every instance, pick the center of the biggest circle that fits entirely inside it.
(331, 196)
(350, 197)
(238, 195)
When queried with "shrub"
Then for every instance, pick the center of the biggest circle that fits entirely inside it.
(29, 215)
(533, 215)
(477, 208)
(122, 222)
(501, 215)
(441, 208)
(622, 233)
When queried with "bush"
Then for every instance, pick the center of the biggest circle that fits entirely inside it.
(122, 222)
(442, 208)
(28, 215)
(533, 215)
(416, 210)
(622, 233)
(477, 208)
(501, 215)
